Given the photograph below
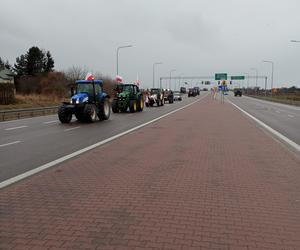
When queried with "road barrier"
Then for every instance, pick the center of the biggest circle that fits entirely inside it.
(25, 113)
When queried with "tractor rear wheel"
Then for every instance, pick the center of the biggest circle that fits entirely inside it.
(132, 106)
(90, 113)
(140, 106)
(105, 110)
(63, 115)
(114, 106)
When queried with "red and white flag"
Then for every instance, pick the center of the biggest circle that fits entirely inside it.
(119, 79)
(137, 81)
(89, 77)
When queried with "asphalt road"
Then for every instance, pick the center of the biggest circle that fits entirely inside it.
(29, 143)
(283, 118)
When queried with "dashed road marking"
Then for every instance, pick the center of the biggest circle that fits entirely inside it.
(291, 116)
(14, 128)
(70, 129)
(9, 144)
(84, 150)
(49, 122)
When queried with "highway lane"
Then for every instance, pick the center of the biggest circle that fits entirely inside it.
(283, 118)
(29, 143)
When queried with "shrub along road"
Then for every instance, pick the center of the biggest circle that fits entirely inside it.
(202, 178)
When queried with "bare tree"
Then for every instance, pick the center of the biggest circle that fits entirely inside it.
(75, 73)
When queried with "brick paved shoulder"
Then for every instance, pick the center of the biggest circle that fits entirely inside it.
(203, 178)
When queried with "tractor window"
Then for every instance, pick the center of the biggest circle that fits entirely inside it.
(85, 88)
(127, 88)
(98, 89)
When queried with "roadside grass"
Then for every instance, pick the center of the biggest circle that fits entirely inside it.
(285, 99)
(32, 101)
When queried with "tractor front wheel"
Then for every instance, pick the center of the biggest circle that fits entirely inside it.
(90, 113)
(63, 115)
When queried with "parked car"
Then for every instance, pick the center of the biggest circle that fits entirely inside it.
(177, 96)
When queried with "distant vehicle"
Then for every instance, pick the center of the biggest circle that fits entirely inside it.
(197, 89)
(155, 96)
(89, 102)
(237, 92)
(192, 92)
(183, 90)
(168, 96)
(177, 96)
(128, 96)
(204, 89)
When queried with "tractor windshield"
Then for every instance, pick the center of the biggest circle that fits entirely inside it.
(127, 88)
(154, 91)
(85, 88)
(122, 88)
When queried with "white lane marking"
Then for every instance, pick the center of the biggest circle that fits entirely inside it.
(50, 122)
(84, 150)
(8, 129)
(70, 129)
(278, 111)
(25, 119)
(273, 131)
(8, 144)
(281, 105)
(291, 116)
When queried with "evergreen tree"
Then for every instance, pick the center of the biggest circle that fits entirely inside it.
(35, 61)
(20, 65)
(49, 65)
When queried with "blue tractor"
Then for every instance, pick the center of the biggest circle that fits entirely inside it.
(88, 103)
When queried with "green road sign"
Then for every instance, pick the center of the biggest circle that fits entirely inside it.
(238, 78)
(220, 76)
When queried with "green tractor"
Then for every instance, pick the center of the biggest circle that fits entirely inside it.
(128, 96)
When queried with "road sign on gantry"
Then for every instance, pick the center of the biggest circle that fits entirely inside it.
(220, 76)
(238, 78)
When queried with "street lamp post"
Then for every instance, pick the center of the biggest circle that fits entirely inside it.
(272, 63)
(256, 75)
(121, 47)
(247, 79)
(157, 63)
(173, 70)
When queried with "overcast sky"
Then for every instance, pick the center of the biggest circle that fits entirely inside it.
(195, 37)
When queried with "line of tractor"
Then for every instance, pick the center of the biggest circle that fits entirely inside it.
(90, 102)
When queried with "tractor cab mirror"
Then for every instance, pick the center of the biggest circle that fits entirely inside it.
(72, 91)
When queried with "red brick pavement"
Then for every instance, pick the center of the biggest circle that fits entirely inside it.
(203, 178)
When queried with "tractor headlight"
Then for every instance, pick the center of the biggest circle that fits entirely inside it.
(71, 101)
(77, 101)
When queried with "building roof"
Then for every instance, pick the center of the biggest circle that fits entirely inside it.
(6, 74)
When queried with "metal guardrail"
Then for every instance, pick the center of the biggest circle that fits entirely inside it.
(25, 113)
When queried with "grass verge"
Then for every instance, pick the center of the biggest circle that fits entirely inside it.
(32, 101)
